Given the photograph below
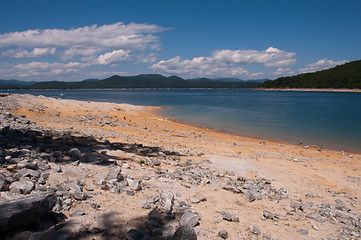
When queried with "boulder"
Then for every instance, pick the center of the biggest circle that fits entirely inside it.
(22, 187)
(185, 232)
(24, 211)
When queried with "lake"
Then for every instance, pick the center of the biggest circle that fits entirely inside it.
(326, 119)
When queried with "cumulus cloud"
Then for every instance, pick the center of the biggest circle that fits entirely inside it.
(226, 63)
(321, 65)
(106, 44)
(34, 69)
(113, 36)
(284, 71)
(62, 51)
(272, 57)
(115, 56)
(35, 53)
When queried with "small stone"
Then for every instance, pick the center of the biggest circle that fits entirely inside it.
(58, 169)
(229, 216)
(314, 226)
(115, 173)
(146, 206)
(80, 196)
(137, 235)
(302, 231)
(223, 234)
(74, 153)
(133, 184)
(22, 187)
(185, 232)
(254, 230)
(190, 218)
(197, 198)
(249, 196)
(268, 215)
(73, 186)
(316, 216)
(155, 214)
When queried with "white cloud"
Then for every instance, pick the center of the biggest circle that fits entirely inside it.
(226, 63)
(284, 71)
(106, 44)
(35, 53)
(321, 65)
(34, 69)
(272, 57)
(115, 56)
(114, 36)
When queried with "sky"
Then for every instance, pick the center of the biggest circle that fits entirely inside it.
(76, 40)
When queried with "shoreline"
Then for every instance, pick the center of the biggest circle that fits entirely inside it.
(255, 138)
(278, 188)
(308, 90)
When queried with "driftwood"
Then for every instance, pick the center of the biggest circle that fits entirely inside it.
(24, 211)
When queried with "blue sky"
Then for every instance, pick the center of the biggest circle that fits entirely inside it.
(74, 40)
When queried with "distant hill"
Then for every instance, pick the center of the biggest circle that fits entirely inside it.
(347, 76)
(230, 80)
(14, 84)
(142, 81)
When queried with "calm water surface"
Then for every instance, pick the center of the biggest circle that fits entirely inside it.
(327, 119)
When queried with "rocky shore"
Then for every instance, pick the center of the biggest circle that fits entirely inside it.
(86, 170)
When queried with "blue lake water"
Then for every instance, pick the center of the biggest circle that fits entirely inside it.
(327, 119)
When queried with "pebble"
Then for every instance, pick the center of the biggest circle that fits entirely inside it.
(223, 234)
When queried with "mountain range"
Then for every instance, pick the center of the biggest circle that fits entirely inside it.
(139, 81)
(346, 76)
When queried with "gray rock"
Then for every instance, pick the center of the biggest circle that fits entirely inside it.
(73, 186)
(23, 211)
(74, 153)
(249, 196)
(268, 215)
(156, 232)
(155, 215)
(223, 234)
(229, 216)
(115, 173)
(185, 232)
(197, 198)
(22, 187)
(233, 188)
(189, 218)
(80, 196)
(137, 235)
(254, 230)
(28, 164)
(146, 206)
(26, 173)
(316, 216)
(133, 184)
(168, 200)
(302, 231)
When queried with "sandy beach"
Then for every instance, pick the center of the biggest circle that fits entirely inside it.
(194, 162)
